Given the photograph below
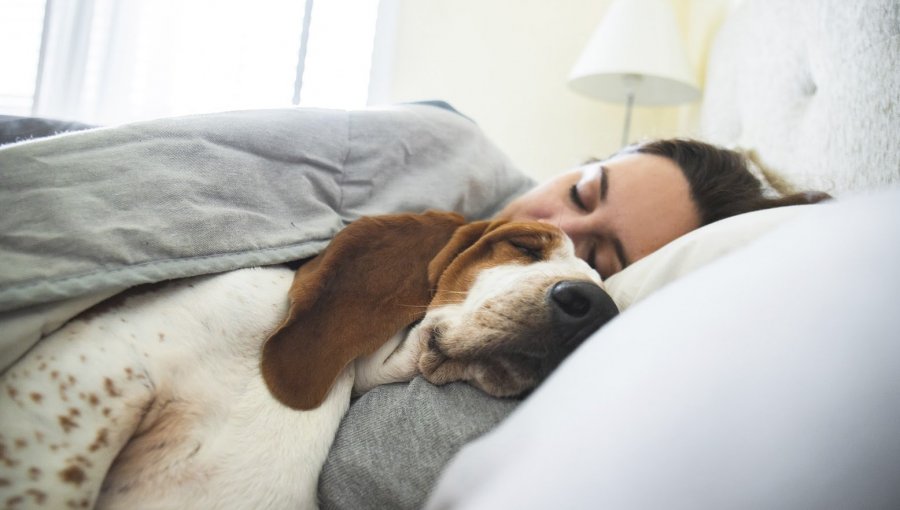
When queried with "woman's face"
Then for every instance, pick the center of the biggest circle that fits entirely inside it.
(616, 211)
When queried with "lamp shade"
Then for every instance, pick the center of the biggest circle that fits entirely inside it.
(636, 49)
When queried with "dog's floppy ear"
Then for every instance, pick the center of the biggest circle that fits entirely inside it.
(462, 239)
(370, 282)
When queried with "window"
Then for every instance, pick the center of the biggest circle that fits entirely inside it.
(109, 61)
(21, 23)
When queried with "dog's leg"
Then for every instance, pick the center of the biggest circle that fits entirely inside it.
(395, 361)
(66, 409)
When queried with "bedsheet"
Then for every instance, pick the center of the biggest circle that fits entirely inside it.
(90, 213)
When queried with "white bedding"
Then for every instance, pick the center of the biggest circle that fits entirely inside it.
(767, 379)
(757, 365)
(695, 250)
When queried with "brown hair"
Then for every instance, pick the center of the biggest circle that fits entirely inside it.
(721, 182)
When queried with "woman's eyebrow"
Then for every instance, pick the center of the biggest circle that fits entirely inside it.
(604, 183)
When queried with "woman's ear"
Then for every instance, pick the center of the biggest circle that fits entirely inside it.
(371, 281)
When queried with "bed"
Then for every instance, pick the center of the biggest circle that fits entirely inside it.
(753, 364)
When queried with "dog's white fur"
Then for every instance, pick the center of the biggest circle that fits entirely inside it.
(158, 402)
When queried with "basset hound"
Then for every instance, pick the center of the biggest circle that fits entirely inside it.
(226, 391)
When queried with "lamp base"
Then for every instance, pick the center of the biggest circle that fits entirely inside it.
(628, 107)
(631, 82)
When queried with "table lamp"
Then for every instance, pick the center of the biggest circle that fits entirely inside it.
(636, 56)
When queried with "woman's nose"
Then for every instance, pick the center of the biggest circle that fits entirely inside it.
(573, 225)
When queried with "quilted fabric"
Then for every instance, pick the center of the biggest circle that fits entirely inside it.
(814, 87)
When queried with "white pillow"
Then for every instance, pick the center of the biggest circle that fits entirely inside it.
(766, 379)
(692, 251)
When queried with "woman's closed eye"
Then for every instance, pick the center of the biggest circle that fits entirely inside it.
(576, 198)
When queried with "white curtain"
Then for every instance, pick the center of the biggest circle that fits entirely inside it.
(111, 61)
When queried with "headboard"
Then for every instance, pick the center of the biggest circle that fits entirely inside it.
(813, 86)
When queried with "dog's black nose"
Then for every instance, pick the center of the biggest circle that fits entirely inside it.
(579, 308)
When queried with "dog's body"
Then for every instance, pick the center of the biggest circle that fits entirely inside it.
(161, 401)
(181, 398)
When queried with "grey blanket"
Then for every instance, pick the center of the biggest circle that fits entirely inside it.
(93, 212)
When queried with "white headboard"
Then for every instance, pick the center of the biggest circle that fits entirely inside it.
(814, 87)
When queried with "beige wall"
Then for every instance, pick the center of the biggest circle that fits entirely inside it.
(505, 62)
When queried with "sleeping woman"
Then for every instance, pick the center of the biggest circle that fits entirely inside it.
(624, 208)
(616, 211)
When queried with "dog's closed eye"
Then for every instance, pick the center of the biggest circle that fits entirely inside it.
(528, 247)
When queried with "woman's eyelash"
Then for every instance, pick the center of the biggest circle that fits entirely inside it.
(576, 199)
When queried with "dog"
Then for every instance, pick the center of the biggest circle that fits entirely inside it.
(226, 391)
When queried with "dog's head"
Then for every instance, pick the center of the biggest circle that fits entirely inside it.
(505, 303)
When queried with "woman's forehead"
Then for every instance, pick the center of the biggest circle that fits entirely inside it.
(639, 160)
(652, 202)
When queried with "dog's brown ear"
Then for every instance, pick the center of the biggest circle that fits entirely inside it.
(463, 238)
(370, 282)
